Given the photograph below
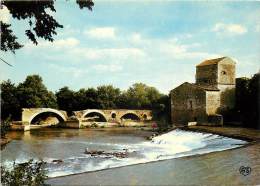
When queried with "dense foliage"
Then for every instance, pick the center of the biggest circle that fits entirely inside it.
(28, 173)
(247, 102)
(32, 93)
(41, 23)
(9, 101)
(5, 126)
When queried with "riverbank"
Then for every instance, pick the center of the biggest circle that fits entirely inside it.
(211, 169)
(247, 134)
(4, 142)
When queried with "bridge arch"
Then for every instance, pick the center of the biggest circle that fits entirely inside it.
(94, 111)
(130, 115)
(55, 113)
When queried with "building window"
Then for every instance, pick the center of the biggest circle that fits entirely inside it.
(223, 72)
(190, 105)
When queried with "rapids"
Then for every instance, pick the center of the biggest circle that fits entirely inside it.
(174, 144)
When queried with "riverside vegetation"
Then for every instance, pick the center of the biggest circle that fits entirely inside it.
(29, 173)
(32, 93)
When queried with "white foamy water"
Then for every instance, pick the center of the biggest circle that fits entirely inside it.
(174, 144)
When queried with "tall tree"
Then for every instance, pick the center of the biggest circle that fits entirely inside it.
(91, 97)
(107, 96)
(254, 100)
(41, 24)
(247, 102)
(33, 93)
(137, 96)
(9, 103)
(66, 100)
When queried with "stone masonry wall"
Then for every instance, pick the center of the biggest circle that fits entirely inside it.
(206, 75)
(188, 104)
(226, 72)
(212, 102)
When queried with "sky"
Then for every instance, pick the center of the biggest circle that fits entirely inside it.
(120, 43)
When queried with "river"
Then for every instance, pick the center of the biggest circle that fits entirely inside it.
(69, 145)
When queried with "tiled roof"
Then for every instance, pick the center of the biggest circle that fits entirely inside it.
(202, 87)
(208, 88)
(211, 61)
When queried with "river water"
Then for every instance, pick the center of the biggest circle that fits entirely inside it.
(69, 146)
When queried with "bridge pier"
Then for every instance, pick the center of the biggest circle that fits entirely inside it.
(19, 125)
(72, 124)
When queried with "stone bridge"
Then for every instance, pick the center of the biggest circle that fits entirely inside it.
(30, 115)
(113, 115)
(54, 116)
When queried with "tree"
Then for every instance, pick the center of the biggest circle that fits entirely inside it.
(137, 96)
(247, 102)
(8, 39)
(242, 93)
(28, 173)
(65, 99)
(91, 97)
(141, 96)
(80, 99)
(9, 103)
(107, 96)
(254, 101)
(41, 23)
(122, 101)
(5, 126)
(32, 93)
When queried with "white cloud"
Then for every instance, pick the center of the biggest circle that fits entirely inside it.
(68, 30)
(136, 38)
(229, 28)
(57, 44)
(74, 72)
(108, 53)
(172, 49)
(4, 14)
(101, 33)
(257, 27)
(107, 68)
(131, 48)
(69, 42)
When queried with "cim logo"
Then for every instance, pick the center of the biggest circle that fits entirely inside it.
(245, 170)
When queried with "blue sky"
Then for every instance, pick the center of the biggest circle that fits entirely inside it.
(123, 42)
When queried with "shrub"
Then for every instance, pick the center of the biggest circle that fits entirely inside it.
(94, 125)
(5, 126)
(28, 173)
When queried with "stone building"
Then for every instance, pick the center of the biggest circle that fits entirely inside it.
(203, 101)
